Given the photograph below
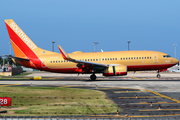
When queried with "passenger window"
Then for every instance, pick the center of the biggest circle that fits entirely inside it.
(139, 57)
(115, 58)
(53, 61)
(110, 58)
(131, 58)
(142, 57)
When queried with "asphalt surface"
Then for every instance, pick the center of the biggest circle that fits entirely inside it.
(139, 97)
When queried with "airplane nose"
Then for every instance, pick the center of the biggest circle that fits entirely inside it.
(175, 61)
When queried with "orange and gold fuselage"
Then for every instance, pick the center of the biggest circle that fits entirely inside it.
(134, 60)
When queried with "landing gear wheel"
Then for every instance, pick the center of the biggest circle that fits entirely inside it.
(158, 76)
(93, 77)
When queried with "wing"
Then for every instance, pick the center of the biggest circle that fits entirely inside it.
(82, 64)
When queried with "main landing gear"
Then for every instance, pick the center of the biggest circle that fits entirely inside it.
(93, 77)
(158, 75)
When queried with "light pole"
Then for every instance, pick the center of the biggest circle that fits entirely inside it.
(9, 48)
(175, 50)
(128, 44)
(53, 46)
(3, 60)
(95, 43)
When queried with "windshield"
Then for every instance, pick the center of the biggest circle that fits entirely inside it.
(166, 56)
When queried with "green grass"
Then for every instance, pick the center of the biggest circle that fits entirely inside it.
(23, 74)
(38, 101)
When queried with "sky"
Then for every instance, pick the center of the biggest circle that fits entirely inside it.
(76, 24)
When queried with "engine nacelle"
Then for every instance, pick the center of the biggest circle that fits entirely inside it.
(115, 70)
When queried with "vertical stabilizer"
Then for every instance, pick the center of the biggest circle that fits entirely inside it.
(23, 46)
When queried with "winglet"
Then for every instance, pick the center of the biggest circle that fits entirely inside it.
(64, 54)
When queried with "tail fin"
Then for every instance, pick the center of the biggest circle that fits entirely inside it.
(23, 46)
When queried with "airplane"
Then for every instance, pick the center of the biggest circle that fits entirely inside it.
(115, 63)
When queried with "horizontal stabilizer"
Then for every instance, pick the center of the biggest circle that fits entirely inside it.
(17, 58)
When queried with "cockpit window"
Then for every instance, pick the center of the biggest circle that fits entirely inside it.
(166, 56)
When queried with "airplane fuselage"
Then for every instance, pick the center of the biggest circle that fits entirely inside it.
(134, 60)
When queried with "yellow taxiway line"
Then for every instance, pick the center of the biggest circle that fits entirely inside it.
(156, 103)
(137, 78)
(160, 110)
(156, 93)
(146, 90)
(128, 91)
(141, 97)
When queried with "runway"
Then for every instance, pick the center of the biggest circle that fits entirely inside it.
(158, 85)
(139, 97)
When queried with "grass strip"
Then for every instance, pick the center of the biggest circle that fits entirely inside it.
(49, 101)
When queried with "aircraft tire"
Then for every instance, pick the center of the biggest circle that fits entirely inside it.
(158, 76)
(93, 77)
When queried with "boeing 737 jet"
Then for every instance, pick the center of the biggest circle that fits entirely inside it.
(116, 63)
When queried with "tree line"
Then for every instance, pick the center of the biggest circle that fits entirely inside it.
(7, 61)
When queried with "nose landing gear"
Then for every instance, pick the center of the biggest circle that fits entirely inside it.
(158, 75)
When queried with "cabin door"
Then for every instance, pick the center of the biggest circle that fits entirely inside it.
(43, 64)
(155, 58)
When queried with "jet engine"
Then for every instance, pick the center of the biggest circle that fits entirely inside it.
(115, 70)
